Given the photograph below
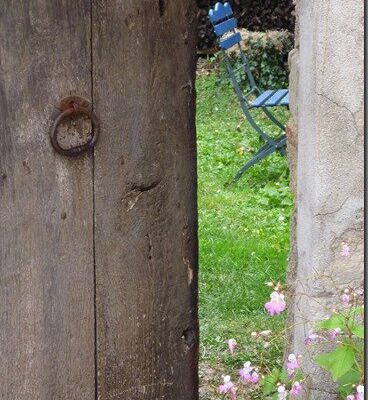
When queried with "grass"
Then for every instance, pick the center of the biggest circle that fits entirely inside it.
(243, 233)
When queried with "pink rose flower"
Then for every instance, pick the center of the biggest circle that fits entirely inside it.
(277, 304)
(312, 337)
(282, 393)
(345, 299)
(245, 372)
(232, 345)
(360, 393)
(254, 378)
(293, 362)
(228, 387)
(233, 393)
(296, 389)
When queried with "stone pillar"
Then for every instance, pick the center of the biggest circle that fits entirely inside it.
(327, 172)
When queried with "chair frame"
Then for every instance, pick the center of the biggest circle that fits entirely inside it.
(271, 145)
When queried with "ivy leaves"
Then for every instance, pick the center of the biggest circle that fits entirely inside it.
(268, 60)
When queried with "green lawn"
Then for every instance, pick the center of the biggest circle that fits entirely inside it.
(243, 235)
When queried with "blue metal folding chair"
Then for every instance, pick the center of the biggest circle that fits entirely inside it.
(224, 23)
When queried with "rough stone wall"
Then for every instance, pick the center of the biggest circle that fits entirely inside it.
(326, 159)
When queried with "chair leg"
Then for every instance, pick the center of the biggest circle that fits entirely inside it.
(271, 144)
(281, 144)
(262, 153)
(282, 150)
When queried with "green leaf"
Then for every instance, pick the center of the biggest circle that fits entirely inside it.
(337, 362)
(359, 310)
(269, 381)
(284, 378)
(335, 321)
(346, 381)
(358, 330)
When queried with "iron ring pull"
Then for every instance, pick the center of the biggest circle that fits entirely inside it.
(75, 109)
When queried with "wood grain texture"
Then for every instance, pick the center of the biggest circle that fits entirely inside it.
(145, 199)
(46, 207)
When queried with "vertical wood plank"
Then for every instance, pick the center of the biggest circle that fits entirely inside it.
(145, 199)
(46, 207)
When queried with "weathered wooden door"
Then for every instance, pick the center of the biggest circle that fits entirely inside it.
(98, 252)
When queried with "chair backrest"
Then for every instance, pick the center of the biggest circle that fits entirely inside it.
(224, 23)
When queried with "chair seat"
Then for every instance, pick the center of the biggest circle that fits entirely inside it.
(272, 98)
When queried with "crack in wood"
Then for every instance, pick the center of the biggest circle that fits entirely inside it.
(161, 7)
(144, 188)
(136, 191)
(150, 249)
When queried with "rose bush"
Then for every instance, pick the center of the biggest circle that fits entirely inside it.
(344, 329)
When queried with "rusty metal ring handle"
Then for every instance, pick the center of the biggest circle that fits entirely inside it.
(76, 150)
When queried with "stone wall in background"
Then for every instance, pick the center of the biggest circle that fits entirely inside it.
(326, 160)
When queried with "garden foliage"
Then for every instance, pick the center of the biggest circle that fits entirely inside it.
(343, 331)
(267, 56)
(253, 15)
